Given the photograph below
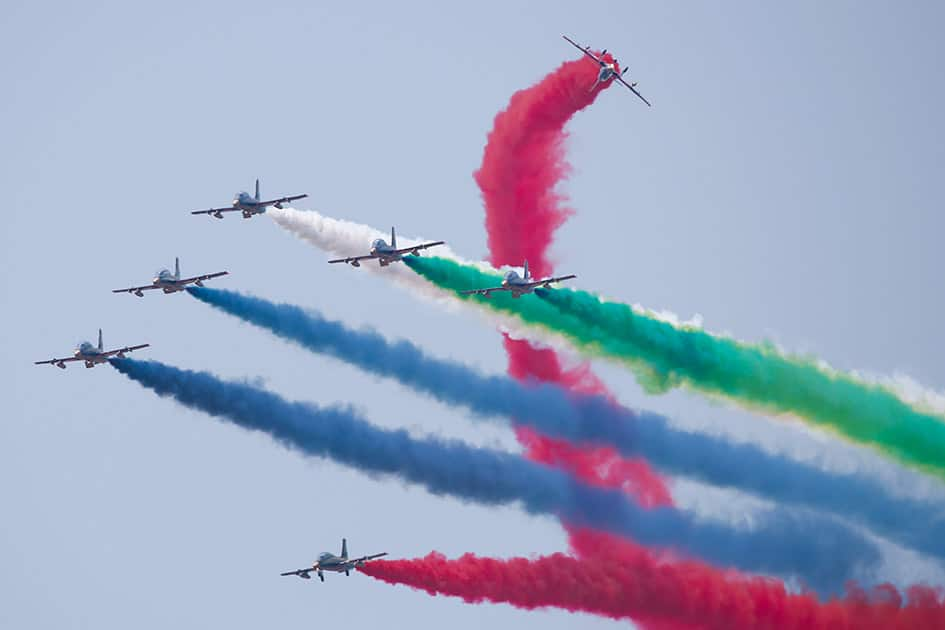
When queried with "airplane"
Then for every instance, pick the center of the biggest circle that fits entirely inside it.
(386, 254)
(171, 282)
(517, 284)
(92, 355)
(328, 561)
(249, 204)
(607, 70)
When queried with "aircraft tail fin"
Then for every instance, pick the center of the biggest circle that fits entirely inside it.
(100, 346)
(257, 190)
(526, 271)
(344, 548)
(177, 268)
(393, 238)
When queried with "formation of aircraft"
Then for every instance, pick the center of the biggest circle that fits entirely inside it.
(608, 69)
(91, 354)
(253, 204)
(386, 254)
(328, 561)
(171, 282)
(249, 204)
(518, 285)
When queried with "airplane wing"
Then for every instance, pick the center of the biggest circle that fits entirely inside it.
(135, 289)
(216, 211)
(198, 278)
(485, 292)
(415, 248)
(584, 50)
(121, 351)
(366, 558)
(55, 361)
(281, 200)
(301, 572)
(352, 259)
(632, 89)
(547, 281)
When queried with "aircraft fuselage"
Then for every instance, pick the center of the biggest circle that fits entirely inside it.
(607, 71)
(247, 204)
(88, 355)
(516, 284)
(386, 254)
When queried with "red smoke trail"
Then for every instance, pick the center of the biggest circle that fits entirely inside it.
(624, 581)
(523, 162)
(597, 466)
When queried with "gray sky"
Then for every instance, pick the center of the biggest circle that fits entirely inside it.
(785, 185)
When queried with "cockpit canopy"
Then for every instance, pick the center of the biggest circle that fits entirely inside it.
(86, 347)
(165, 274)
(379, 244)
(511, 275)
(325, 555)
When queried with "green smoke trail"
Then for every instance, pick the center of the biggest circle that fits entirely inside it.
(663, 356)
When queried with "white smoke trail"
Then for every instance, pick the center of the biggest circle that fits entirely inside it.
(345, 238)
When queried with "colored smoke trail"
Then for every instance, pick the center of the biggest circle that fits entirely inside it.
(575, 419)
(522, 164)
(618, 579)
(341, 238)
(524, 160)
(778, 542)
(762, 377)
(755, 376)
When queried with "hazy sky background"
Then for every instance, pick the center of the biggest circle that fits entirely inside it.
(786, 185)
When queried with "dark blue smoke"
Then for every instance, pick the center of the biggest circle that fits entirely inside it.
(593, 419)
(821, 552)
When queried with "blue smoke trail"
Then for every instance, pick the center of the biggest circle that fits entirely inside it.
(821, 552)
(594, 419)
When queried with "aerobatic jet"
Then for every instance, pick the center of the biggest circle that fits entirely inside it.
(249, 204)
(92, 355)
(328, 561)
(608, 69)
(170, 282)
(518, 285)
(386, 254)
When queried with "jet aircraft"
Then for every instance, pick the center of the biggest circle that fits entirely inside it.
(386, 254)
(92, 355)
(170, 282)
(608, 70)
(328, 561)
(518, 285)
(249, 204)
